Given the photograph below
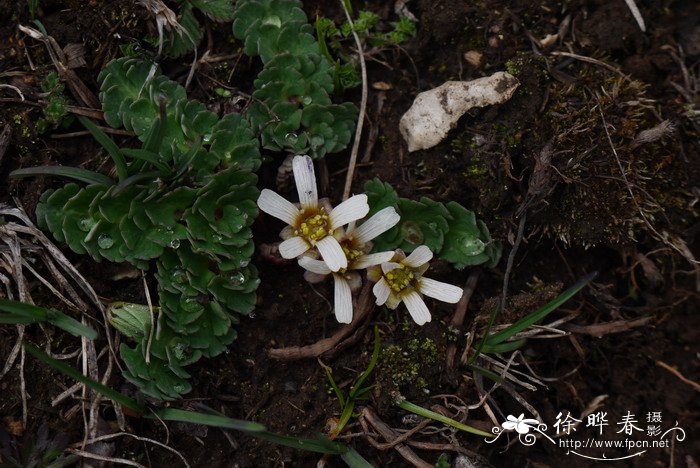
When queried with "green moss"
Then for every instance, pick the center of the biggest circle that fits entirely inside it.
(594, 204)
(402, 367)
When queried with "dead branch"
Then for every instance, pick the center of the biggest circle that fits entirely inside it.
(369, 416)
(600, 329)
(364, 308)
(460, 313)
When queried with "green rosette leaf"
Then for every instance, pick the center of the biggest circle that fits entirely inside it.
(451, 231)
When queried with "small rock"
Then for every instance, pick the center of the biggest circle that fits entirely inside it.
(474, 58)
(436, 111)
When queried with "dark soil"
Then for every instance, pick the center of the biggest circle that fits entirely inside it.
(582, 219)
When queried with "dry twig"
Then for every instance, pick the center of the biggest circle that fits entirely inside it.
(680, 376)
(363, 106)
(368, 416)
(364, 307)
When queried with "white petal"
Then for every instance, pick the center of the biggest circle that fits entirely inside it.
(388, 266)
(292, 248)
(314, 278)
(332, 253)
(305, 180)
(314, 266)
(350, 210)
(522, 428)
(275, 205)
(417, 308)
(509, 425)
(441, 291)
(366, 261)
(381, 291)
(378, 224)
(418, 257)
(343, 300)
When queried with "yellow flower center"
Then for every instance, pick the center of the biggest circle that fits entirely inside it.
(350, 253)
(399, 278)
(314, 226)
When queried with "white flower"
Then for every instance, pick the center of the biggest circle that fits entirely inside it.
(355, 243)
(401, 280)
(311, 226)
(520, 424)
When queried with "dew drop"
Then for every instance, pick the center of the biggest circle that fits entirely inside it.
(86, 224)
(206, 138)
(473, 246)
(272, 20)
(179, 275)
(217, 238)
(291, 137)
(105, 241)
(307, 100)
(237, 278)
(179, 351)
(190, 304)
(179, 388)
(174, 244)
(244, 263)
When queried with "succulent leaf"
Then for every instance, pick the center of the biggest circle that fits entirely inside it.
(451, 231)
(193, 214)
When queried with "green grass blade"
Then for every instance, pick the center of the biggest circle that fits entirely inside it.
(320, 445)
(148, 156)
(489, 374)
(539, 314)
(136, 178)
(187, 159)
(426, 413)
(321, 37)
(33, 314)
(110, 393)
(355, 460)
(157, 131)
(107, 144)
(504, 347)
(344, 417)
(76, 173)
(15, 320)
(370, 367)
(173, 414)
(481, 343)
(336, 389)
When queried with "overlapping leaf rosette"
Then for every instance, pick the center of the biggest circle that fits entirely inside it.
(450, 230)
(291, 108)
(186, 201)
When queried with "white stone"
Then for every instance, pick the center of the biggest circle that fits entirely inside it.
(436, 111)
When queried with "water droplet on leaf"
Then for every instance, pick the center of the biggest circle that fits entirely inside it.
(473, 246)
(237, 278)
(307, 100)
(174, 244)
(179, 275)
(291, 137)
(105, 241)
(412, 233)
(86, 224)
